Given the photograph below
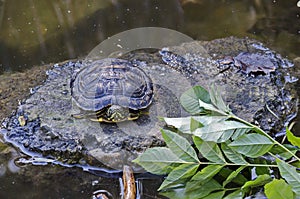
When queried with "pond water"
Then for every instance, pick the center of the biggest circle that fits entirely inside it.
(37, 32)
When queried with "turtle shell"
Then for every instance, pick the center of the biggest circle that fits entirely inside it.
(111, 82)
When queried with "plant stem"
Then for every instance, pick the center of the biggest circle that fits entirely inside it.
(232, 189)
(259, 130)
(234, 164)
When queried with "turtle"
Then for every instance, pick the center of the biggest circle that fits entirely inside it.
(113, 90)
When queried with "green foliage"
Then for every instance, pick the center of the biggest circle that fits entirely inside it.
(278, 189)
(159, 160)
(209, 150)
(235, 195)
(180, 173)
(232, 154)
(225, 152)
(180, 146)
(219, 131)
(252, 145)
(292, 139)
(259, 181)
(190, 100)
(233, 175)
(290, 174)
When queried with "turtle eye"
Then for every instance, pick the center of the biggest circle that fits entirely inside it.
(110, 113)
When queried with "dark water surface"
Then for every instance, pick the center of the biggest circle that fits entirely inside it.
(37, 32)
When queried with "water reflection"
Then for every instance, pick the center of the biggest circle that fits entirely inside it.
(33, 32)
(40, 31)
(7, 157)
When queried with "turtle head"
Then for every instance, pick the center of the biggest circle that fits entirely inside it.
(116, 113)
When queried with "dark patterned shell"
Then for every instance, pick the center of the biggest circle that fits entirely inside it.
(111, 82)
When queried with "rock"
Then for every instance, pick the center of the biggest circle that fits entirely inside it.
(48, 127)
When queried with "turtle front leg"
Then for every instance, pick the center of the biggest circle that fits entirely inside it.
(90, 115)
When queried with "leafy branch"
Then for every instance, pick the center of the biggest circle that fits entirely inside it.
(224, 151)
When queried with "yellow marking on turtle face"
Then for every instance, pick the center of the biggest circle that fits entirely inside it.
(101, 119)
(131, 117)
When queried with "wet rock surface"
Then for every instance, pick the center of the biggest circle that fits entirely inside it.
(269, 99)
(17, 86)
(43, 123)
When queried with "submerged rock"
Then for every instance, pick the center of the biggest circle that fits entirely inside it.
(47, 127)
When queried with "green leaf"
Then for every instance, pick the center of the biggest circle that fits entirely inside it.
(190, 99)
(290, 174)
(189, 124)
(215, 131)
(279, 151)
(210, 107)
(232, 155)
(180, 173)
(233, 175)
(238, 194)
(209, 150)
(158, 160)
(180, 146)
(292, 139)
(240, 179)
(278, 189)
(252, 145)
(261, 170)
(259, 181)
(182, 124)
(216, 99)
(239, 132)
(196, 189)
(296, 164)
(207, 173)
(195, 124)
(208, 119)
(204, 177)
(227, 134)
(175, 193)
(215, 195)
